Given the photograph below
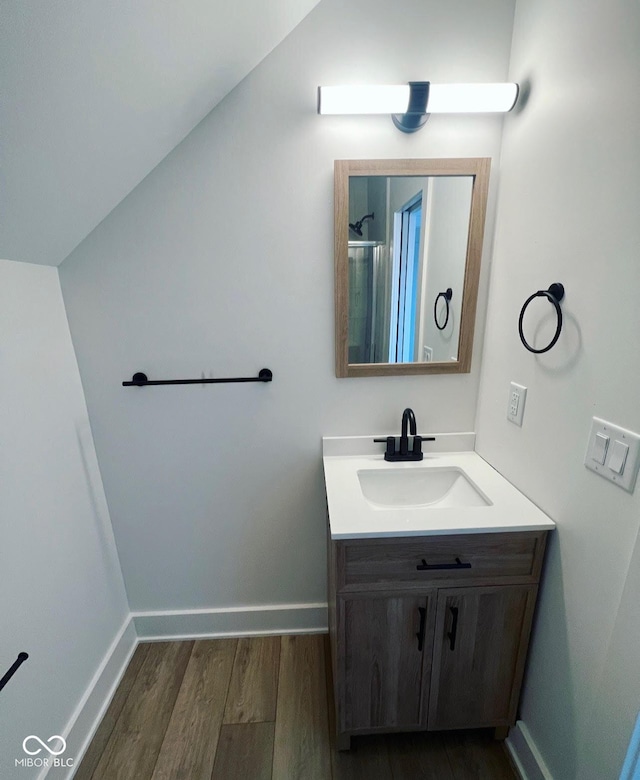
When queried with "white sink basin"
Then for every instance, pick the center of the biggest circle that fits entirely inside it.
(453, 490)
(419, 487)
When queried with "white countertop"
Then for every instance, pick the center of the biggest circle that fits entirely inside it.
(351, 516)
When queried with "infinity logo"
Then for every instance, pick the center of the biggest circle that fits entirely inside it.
(44, 745)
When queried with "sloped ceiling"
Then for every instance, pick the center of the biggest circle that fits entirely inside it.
(94, 94)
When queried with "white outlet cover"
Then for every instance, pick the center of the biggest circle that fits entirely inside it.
(627, 479)
(515, 404)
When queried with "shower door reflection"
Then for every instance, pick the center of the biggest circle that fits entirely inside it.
(369, 302)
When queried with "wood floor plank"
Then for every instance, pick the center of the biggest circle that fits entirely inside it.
(189, 746)
(253, 691)
(419, 756)
(137, 736)
(367, 759)
(476, 754)
(167, 716)
(245, 752)
(105, 729)
(301, 743)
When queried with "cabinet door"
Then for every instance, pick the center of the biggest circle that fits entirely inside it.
(386, 661)
(480, 644)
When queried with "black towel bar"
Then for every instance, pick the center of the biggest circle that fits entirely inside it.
(140, 380)
(22, 657)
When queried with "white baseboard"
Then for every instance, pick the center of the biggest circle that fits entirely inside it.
(232, 621)
(173, 625)
(525, 754)
(84, 722)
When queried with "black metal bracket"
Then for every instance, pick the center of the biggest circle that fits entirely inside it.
(554, 294)
(447, 295)
(416, 115)
(22, 657)
(140, 380)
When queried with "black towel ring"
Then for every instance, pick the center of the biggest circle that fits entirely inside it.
(554, 294)
(447, 297)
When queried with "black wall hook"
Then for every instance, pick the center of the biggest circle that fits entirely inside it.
(447, 295)
(554, 294)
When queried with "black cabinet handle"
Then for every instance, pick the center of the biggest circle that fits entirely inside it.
(422, 629)
(454, 628)
(424, 566)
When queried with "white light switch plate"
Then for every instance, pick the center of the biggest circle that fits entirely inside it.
(617, 437)
(515, 406)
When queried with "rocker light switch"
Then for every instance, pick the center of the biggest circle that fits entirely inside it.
(599, 448)
(618, 458)
(614, 453)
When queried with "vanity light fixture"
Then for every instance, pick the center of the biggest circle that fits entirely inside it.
(411, 104)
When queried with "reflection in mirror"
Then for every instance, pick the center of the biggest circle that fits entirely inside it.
(415, 248)
(408, 244)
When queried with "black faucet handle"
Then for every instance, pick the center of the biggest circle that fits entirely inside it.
(417, 443)
(416, 450)
(390, 441)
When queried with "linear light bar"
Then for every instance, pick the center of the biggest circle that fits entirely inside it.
(412, 103)
(364, 99)
(471, 98)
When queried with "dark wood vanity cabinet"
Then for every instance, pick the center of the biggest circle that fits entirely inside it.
(431, 633)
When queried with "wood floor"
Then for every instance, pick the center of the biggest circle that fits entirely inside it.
(255, 709)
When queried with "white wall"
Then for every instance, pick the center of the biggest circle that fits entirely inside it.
(95, 94)
(63, 598)
(617, 698)
(568, 212)
(221, 262)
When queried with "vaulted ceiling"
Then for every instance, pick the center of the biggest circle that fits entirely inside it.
(95, 94)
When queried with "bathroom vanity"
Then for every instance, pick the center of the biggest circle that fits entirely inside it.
(433, 578)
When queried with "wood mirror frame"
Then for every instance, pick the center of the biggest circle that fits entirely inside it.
(478, 168)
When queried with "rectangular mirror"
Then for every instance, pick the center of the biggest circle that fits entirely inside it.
(408, 245)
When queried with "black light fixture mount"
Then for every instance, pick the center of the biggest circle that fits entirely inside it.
(416, 115)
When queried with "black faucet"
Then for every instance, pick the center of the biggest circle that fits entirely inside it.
(402, 452)
(408, 417)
